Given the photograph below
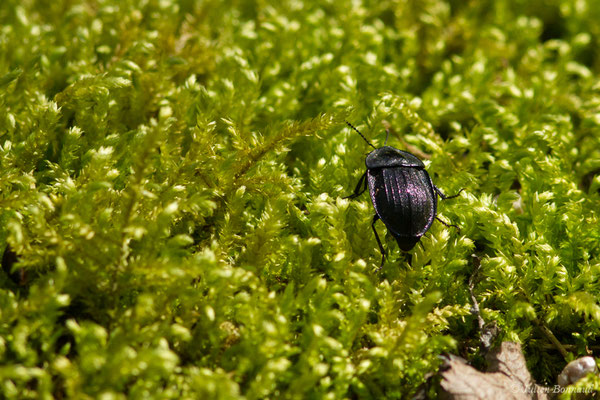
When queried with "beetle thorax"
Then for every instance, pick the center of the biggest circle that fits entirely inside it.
(388, 157)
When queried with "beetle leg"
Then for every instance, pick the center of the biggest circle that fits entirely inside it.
(443, 196)
(381, 249)
(448, 225)
(358, 191)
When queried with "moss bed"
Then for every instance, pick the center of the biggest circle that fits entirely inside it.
(172, 176)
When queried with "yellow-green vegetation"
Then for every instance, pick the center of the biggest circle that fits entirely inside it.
(171, 183)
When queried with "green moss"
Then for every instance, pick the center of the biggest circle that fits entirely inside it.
(171, 183)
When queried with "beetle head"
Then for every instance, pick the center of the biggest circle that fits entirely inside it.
(389, 157)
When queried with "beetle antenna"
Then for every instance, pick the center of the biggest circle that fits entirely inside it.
(387, 135)
(361, 135)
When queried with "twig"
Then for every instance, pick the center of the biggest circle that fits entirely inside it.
(413, 149)
(546, 331)
(488, 332)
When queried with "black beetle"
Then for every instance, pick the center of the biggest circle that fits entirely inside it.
(403, 195)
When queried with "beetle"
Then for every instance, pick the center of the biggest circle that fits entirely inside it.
(402, 193)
